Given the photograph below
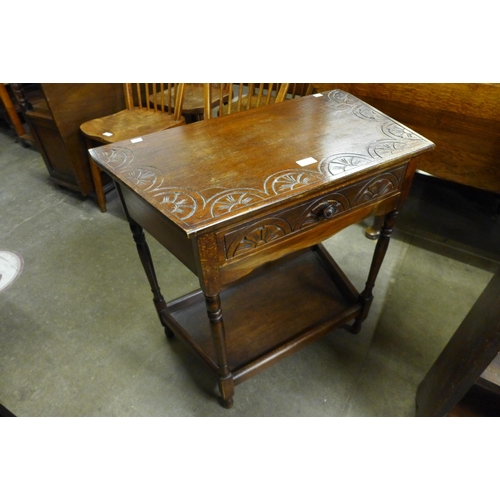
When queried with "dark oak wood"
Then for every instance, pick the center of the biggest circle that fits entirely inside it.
(463, 361)
(55, 124)
(462, 119)
(477, 402)
(234, 200)
(254, 341)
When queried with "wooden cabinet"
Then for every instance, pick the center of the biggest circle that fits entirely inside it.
(55, 124)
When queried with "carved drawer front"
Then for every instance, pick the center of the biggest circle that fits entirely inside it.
(271, 228)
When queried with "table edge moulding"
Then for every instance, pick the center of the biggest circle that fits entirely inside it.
(245, 201)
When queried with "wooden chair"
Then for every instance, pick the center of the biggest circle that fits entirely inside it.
(193, 104)
(141, 116)
(299, 90)
(13, 115)
(28, 96)
(247, 96)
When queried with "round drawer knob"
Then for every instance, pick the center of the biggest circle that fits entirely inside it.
(328, 211)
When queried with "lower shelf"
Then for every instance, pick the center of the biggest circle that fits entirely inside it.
(490, 378)
(270, 313)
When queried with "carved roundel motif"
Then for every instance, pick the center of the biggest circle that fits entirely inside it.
(386, 147)
(145, 177)
(398, 131)
(116, 158)
(233, 200)
(376, 188)
(179, 203)
(259, 234)
(340, 164)
(291, 180)
(367, 113)
(342, 97)
(359, 108)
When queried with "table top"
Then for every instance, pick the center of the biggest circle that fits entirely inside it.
(207, 173)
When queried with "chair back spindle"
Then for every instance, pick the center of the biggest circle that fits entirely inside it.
(161, 97)
(147, 111)
(249, 95)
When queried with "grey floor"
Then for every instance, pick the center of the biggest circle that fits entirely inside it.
(79, 335)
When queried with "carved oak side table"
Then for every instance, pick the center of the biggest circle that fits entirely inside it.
(244, 201)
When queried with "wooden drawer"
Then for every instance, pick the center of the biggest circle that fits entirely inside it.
(326, 209)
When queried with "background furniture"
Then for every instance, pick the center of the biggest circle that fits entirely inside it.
(16, 99)
(470, 357)
(193, 107)
(55, 124)
(12, 114)
(193, 102)
(249, 96)
(27, 96)
(462, 119)
(244, 201)
(299, 90)
(141, 116)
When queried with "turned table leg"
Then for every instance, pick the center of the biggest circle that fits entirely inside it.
(226, 382)
(147, 264)
(373, 232)
(366, 295)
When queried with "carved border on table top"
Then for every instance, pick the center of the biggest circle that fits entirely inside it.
(184, 203)
(364, 111)
(246, 239)
(115, 158)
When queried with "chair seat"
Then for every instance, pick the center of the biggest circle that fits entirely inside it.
(128, 124)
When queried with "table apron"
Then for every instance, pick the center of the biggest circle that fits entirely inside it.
(159, 227)
(236, 268)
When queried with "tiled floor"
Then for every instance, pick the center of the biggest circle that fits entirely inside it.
(79, 333)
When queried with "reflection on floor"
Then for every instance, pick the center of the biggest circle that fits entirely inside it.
(80, 337)
(11, 266)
